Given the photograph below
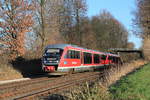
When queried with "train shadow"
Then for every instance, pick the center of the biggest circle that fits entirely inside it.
(28, 68)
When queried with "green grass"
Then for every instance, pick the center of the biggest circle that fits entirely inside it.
(135, 86)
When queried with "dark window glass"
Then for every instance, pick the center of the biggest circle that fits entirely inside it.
(110, 58)
(103, 57)
(114, 59)
(71, 54)
(53, 53)
(96, 58)
(68, 54)
(117, 60)
(87, 58)
(77, 54)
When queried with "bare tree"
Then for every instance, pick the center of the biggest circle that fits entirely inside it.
(71, 15)
(47, 22)
(142, 19)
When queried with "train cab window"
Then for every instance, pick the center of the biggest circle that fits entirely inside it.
(71, 54)
(96, 58)
(87, 58)
(53, 53)
(103, 57)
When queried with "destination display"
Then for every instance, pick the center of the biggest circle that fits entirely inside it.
(52, 51)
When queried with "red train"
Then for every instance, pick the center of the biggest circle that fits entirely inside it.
(66, 58)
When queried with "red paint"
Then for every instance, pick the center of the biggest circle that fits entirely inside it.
(50, 68)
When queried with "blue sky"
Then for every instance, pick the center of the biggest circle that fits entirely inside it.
(120, 9)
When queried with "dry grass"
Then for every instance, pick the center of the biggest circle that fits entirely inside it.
(115, 73)
(6, 70)
(87, 92)
(20, 67)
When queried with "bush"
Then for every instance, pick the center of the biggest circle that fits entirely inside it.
(146, 48)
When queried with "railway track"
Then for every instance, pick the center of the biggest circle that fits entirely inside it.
(27, 90)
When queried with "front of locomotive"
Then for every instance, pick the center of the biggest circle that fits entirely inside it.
(51, 58)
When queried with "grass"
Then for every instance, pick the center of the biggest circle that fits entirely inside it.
(135, 86)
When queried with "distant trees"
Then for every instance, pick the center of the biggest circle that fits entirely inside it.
(57, 21)
(109, 32)
(15, 21)
(100, 32)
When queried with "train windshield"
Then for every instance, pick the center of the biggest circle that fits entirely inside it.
(53, 53)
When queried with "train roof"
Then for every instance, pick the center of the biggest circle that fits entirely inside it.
(61, 46)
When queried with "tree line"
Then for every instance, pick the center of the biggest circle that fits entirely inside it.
(30, 25)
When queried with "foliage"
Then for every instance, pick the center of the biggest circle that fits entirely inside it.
(15, 22)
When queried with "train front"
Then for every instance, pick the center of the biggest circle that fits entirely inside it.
(51, 59)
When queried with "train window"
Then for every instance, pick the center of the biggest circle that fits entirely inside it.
(77, 54)
(87, 58)
(110, 58)
(71, 54)
(103, 57)
(68, 54)
(115, 60)
(96, 58)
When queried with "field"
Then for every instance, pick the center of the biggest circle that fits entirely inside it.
(135, 86)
